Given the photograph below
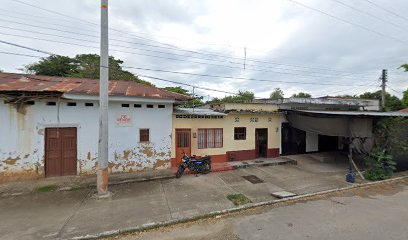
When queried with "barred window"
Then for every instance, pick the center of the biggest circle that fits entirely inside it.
(240, 133)
(144, 135)
(210, 138)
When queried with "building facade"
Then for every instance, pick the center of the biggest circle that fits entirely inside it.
(228, 132)
(50, 127)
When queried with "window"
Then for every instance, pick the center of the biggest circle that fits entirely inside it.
(125, 105)
(162, 106)
(51, 103)
(149, 106)
(270, 119)
(137, 105)
(89, 104)
(239, 133)
(254, 119)
(236, 119)
(210, 138)
(144, 135)
(71, 104)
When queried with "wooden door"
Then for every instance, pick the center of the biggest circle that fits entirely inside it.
(261, 142)
(183, 143)
(60, 151)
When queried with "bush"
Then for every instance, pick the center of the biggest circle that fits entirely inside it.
(379, 165)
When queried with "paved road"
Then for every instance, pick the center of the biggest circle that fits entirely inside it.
(375, 213)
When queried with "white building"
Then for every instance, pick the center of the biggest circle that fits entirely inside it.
(49, 126)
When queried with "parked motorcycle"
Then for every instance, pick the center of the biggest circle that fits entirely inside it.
(201, 165)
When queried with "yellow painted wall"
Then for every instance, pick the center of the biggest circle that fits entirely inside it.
(251, 107)
(228, 123)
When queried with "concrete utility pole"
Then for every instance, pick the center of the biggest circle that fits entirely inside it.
(102, 171)
(383, 83)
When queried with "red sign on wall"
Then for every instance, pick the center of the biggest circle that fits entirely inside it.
(124, 120)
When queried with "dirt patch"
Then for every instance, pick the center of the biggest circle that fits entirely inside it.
(11, 161)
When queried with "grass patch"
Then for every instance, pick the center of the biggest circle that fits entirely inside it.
(76, 188)
(48, 188)
(238, 199)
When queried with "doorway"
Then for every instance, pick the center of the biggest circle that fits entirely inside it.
(60, 151)
(183, 143)
(293, 140)
(261, 142)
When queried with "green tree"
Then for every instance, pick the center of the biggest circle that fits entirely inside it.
(392, 103)
(54, 65)
(277, 94)
(81, 66)
(301, 95)
(405, 67)
(196, 101)
(405, 98)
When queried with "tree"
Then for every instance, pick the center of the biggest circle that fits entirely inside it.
(405, 98)
(198, 100)
(54, 66)
(81, 66)
(301, 95)
(242, 96)
(277, 94)
(392, 103)
(405, 67)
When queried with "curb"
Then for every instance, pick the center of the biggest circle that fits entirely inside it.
(148, 226)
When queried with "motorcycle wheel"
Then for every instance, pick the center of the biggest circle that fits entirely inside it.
(179, 172)
(206, 168)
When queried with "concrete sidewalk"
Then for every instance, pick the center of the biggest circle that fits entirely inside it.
(70, 214)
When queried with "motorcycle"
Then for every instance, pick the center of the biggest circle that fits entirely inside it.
(201, 165)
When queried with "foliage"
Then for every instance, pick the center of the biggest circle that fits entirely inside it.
(277, 94)
(81, 66)
(405, 67)
(388, 142)
(198, 100)
(379, 165)
(405, 99)
(301, 95)
(238, 199)
(48, 188)
(242, 96)
(346, 96)
(392, 103)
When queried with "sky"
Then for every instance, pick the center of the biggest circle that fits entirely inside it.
(322, 47)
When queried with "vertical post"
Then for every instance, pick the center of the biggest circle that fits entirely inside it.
(383, 83)
(102, 171)
(193, 99)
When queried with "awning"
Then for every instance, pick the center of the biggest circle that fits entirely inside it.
(331, 124)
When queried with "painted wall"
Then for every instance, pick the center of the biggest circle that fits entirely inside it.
(312, 142)
(228, 123)
(22, 137)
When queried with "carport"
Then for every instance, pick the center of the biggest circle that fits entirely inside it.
(354, 127)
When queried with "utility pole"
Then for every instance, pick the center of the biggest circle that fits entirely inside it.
(383, 83)
(102, 171)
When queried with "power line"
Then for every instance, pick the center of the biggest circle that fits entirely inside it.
(387, 10)
(348, 22)
(169, 46)
(149, 50)
(239, 78)
(29, 48)
(176, 59)
(20, 54)
(371, 15)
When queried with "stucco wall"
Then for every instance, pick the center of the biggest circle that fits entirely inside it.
(228, 123)
(22, 137)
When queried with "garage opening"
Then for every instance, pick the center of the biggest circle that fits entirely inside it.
(60, 151)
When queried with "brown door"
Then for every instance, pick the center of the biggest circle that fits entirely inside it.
(261, 142)
(60, 151)
(183, 143)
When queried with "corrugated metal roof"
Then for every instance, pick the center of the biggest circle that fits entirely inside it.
(13, 82)
(198, 111)
(355, 113)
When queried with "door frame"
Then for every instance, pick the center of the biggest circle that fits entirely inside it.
(257, 147)
(59, 126)
(176, 131)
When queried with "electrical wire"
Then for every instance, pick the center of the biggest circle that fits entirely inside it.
(29, 48)
(20, 54)
(349, 22)
(386, 10)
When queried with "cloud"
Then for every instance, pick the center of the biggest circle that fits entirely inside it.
(289, 43)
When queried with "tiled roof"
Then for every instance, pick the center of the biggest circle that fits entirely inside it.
(13, 82)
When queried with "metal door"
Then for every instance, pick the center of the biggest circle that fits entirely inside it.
(60, 151)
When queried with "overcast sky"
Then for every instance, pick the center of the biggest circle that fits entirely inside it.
(291, 46)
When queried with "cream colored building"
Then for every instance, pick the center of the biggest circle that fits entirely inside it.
(227, 132)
